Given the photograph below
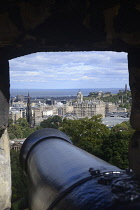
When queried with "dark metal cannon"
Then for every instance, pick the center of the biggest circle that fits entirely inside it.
(62, 176)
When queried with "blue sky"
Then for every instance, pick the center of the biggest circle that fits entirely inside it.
(67, 70)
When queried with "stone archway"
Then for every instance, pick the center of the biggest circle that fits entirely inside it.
(30, 26)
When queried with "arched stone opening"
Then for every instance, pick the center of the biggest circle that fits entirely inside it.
(30, 26)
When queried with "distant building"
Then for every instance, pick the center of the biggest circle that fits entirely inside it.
(121, 110)
(17, 110)
(16, 144)
(88, 108)
(79, 96)
(16, 114)
(100, 94)
(63, 101)
(47, 113)
(50, 101)
(64, 110)
(110, 107)
(19, 98)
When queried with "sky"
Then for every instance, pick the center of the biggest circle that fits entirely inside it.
(69, 70)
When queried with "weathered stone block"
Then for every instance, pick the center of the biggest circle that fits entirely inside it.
(5, 172)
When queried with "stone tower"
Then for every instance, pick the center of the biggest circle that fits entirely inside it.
(79, 96)
(29, 111)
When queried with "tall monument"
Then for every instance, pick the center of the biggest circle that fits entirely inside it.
(125, 88)
(29, 111)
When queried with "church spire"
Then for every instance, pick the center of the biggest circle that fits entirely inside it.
(29, 111)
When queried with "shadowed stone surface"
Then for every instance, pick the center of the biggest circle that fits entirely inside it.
(50, 25)
(134, 81)
(134, 153)
(4, 93)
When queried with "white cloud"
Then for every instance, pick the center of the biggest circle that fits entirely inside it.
(83, 69)
(85, 78)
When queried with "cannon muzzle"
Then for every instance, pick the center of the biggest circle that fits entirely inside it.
(62, 176)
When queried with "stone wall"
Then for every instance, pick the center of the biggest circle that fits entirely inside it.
(5, 172)
(29, 26)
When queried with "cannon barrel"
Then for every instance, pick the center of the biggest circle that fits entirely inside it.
(62, 176)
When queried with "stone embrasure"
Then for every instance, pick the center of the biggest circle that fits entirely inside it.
(30, 26)
(5, 172)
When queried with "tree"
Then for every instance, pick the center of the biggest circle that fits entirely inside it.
(19, 182)
(15, 131)
(25, 127)
(51, 122)
(47, 124)
(27, 131)
(124, 126)
(10, 121)
(56, 119)
(87, 134)
(115, 147)
(22, 122)
(94, 137)
(20, 130)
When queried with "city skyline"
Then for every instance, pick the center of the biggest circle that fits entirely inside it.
(69, 70)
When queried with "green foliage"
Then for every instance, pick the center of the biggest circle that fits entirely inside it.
(19, 186)
(27, 131)
(51, 122)
(25, 128)
(10, 121)
(116, 98)
(20, 130)
(124, 126)
(21, 204)
(112, 98)
(115, 147)
(87, 134)
(93, 94)
(15, 131)
(22, 122)
(94, 137)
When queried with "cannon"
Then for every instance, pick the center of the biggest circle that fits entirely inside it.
(62, 176)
